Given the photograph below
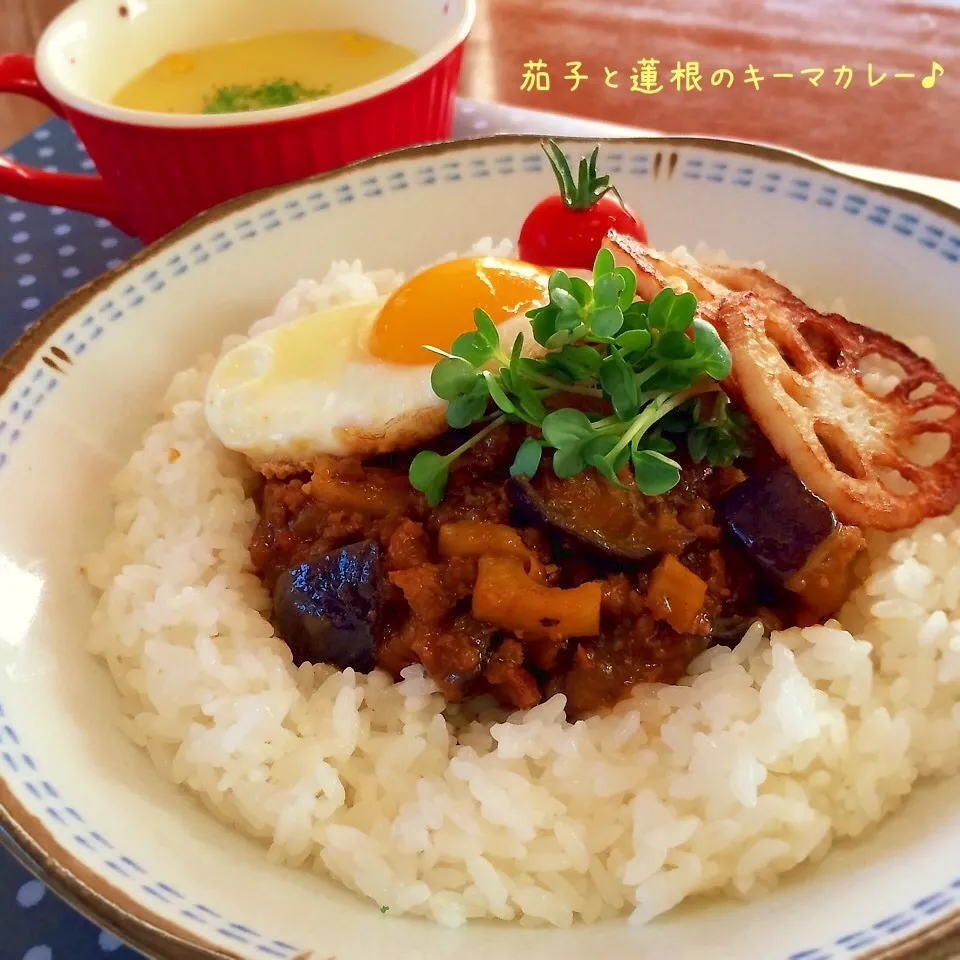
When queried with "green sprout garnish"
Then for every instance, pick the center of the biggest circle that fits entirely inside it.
(244, 97)
(657, 365)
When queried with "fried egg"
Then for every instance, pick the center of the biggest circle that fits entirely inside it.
(355, 378)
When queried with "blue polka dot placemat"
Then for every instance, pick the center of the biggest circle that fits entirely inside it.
(36, 925)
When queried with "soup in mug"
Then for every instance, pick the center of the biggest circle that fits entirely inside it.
(272, 70)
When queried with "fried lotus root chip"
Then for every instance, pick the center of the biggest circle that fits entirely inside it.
(801, 376)
(656, 270)
(740, 278)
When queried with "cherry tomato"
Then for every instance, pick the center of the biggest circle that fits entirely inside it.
(566, 229)
(554, 235)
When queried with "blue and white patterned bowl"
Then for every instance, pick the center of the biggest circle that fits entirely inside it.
(142, 857)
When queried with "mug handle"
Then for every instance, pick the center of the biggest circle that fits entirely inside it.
(88, 194)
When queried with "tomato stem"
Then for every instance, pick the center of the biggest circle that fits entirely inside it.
(584, 191)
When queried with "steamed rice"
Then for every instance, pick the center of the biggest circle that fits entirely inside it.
(759, 760)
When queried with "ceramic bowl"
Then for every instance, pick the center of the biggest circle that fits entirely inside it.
(145, 859)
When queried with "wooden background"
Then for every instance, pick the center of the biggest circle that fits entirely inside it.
(896, 124)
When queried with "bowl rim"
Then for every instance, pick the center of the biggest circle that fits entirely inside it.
(455, 37)
(25, 836)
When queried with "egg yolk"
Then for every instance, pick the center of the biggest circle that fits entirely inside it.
(435, 306)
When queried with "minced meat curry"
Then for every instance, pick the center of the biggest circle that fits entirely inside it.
(526, 588)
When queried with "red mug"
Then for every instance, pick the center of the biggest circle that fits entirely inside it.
(157, 170)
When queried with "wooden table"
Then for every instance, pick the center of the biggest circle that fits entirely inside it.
(896, 123)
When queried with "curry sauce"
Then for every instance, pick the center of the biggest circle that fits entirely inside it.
(490, 601)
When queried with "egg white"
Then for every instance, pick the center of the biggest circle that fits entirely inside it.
(309, 388)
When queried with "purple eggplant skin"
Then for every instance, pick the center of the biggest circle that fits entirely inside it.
(326, 609)
(777, 520)
(530, 509)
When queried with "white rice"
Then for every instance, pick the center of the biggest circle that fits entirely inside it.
(758, 761)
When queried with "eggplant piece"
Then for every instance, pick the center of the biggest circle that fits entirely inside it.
(777, 520)
(533, 509)
(326, 609)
